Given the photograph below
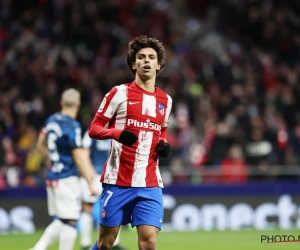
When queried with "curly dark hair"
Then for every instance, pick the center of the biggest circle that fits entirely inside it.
(141, 42)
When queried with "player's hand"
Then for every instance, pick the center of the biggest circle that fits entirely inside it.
(93, 190)
(91, 177)
(127, 138)
(163, 149)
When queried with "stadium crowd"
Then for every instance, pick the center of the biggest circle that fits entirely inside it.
(233, 71)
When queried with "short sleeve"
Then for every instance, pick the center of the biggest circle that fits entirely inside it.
(111, 102)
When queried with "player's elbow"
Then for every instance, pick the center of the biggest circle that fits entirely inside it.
(92, 132)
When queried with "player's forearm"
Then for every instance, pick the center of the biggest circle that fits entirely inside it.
(163, 134)
(97, 130)
(86, 172)
(42, 150)
(41, 145)
(45, 154)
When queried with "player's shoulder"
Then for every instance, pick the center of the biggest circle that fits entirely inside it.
(72, 123)
(52, 118)
(66, 122)
(162, 94)
(123, 87)
(118, 90)
(120, 87)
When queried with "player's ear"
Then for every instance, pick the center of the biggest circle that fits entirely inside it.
(133, 65)
(158, 67)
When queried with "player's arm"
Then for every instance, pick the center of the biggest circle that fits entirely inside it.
(41, 145)
(98, 131)
(83, 163)
(106, 111)
(80, 156)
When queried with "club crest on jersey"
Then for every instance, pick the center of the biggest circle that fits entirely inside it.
(102, 105)
(161, 108)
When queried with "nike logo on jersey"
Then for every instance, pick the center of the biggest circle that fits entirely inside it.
(160, 220)
(131, 103)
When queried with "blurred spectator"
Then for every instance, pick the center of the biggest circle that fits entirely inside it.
(257, 148)
(233, 71)
(233, 167)
(220, 145)
(11, 162)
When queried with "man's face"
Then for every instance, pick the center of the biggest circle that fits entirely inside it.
(146, 63)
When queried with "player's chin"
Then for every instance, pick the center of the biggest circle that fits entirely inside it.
(145, 75)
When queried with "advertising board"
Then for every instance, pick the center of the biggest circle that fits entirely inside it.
(187, 208)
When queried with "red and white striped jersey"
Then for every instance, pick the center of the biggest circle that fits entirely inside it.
(130, 107)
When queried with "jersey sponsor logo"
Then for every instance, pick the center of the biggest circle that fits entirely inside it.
(102, 105)
(131, 103)
(147, 124)
(161, 108)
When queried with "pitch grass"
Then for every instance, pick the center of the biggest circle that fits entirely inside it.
(214, 240)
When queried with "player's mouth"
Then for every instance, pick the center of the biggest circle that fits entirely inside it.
(147, 68)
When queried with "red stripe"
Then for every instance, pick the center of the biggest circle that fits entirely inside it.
(151, 177)
(126, 167)
(103, 172)
(128, 154)
(283, 241)
(111, 125)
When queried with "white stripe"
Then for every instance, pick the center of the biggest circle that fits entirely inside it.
(168, 111)
(141, 159)
(149, 105)
(113, 162)
(118, 98)
(158, 176)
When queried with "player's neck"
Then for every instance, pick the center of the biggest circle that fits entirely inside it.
(148, 85)
(69, 112)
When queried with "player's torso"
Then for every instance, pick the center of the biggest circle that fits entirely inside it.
(58, 128)
(144, 114)
(142, 111)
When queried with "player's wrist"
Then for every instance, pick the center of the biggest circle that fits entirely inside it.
(116, 132)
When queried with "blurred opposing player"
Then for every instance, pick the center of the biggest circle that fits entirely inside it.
(98, 152)
(60, 140)
(137, 114)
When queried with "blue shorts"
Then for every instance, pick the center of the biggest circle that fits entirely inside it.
(135, 205)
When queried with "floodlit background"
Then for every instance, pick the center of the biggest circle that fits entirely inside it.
(233, 71)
